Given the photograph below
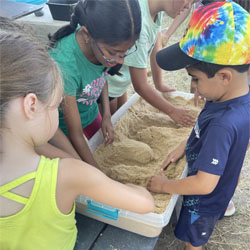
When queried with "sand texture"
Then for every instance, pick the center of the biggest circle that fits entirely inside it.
(143, 138)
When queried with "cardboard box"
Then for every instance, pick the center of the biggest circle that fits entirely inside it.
(149, 225)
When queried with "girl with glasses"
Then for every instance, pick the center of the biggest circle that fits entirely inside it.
(93, 46)
(134, 69)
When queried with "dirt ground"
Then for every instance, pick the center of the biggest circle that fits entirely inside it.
(231, 233)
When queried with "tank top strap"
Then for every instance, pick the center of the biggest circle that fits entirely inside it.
(5, 189)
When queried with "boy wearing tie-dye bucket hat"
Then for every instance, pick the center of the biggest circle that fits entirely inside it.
(216, 53)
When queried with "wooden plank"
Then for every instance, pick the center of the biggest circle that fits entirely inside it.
(114, 238)
(88, 231)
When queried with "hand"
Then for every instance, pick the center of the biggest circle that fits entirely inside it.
(107, 130)
(182, 117)
(198, 98)
(165, 88)
(175, 155)
(157, 182)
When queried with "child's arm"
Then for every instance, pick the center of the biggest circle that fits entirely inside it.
(51, 152)
(107, 127)
(78, 178)
(156, 70)
(175, 24)
(74, 128)
(152, 96)
(201, 183)
(58, 147)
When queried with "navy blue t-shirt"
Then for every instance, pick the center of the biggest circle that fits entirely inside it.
(217, 145)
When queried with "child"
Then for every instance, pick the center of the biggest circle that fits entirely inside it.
(217, 145)
(134, 68)
(36, 193)
(168, 32)
(231, 208)
(87, 50)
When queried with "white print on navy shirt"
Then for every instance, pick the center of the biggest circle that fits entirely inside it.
(92, 91)
(197, 130)
(214, 161)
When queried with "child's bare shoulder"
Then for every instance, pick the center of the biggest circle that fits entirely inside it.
(73, 170)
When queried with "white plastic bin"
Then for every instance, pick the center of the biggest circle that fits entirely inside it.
(150, 224)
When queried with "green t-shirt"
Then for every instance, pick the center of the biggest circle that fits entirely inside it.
(82, 79)
(145, 44)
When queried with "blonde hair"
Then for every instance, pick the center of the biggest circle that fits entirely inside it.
(25, 67)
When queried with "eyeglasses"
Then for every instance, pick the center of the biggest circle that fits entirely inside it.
(116, 58)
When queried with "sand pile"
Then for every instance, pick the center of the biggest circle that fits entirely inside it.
(143, 138)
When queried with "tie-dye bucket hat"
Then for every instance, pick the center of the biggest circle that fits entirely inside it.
(218, 33)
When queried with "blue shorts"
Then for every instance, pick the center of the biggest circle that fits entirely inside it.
(195, 229)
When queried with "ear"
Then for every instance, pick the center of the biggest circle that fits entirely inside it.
(85, 34)
(30, 105)
(225, 76)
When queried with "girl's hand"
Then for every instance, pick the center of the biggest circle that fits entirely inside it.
(157, 182)
(165, 88)
(182, 117)
(198, 98)
(175, 155)
(107, 130)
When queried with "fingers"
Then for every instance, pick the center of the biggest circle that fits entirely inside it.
(152, 184)
(161, 172)
(108, 139)
(182, 117)
(166, 89)
(149, 184)
(166, 162)
(155, 183)
(108, 134)
(198, 98)
(187, 120)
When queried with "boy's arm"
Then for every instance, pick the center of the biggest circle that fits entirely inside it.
(156, 70)
(201, 183)
(152, 96)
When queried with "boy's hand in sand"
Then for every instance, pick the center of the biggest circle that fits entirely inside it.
(157, 182)
(182, 117)
(175, 155)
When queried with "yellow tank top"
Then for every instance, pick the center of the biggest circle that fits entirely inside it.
(39, 225)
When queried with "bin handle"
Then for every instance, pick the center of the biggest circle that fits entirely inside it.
(102, 212)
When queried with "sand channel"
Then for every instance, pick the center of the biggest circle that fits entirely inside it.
(143, 138)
